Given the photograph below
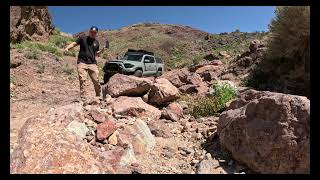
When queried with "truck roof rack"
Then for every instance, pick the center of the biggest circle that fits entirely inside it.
(140, 51)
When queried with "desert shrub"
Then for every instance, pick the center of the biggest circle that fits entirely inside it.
(223, 92)
(32, 53)
(285, 66)
(36, 46)
(290, 33)
(13, 79)
(56, 31)
(49, 48)
(40, 68)
(68, 70)
(60, 41)
(200, 106)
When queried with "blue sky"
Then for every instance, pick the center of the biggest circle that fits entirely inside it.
(212, 19)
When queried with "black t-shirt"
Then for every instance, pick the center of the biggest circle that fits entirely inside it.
(88, 50)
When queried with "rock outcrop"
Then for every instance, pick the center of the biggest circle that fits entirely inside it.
(29, 23)
(269, 132)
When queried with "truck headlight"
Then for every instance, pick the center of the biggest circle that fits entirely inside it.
(126, 65)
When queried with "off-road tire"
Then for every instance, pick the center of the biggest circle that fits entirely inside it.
(138, 73)
(159, 73)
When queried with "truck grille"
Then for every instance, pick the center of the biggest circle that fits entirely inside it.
(110, 67)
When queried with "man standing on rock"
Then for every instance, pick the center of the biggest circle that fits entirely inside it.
(87, 64)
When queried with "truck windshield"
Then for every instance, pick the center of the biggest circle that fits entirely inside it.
(132, 57)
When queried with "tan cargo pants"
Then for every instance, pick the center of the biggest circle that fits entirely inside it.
(93, 71)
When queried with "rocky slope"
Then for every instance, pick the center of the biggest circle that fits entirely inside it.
(177, 45)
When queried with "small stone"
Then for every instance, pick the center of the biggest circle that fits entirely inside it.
(221, 160)
(207, 166)
(105, 141)
(113, 139)
(135, 164)
(230, 162)
(183, 153)
(78, 128)
(194, 162)
(89, 138)
(26, 153)
(105, 129)
(208, 156)
(102, 149)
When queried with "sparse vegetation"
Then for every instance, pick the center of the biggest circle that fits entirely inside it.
(210, 105)
(40, 68)
(13, 79)
(68, 69)
(31, 53)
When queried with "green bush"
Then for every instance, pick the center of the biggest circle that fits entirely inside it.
(210, 105)
(34, 46)
(224, 91)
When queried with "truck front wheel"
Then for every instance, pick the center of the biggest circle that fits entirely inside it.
(159, 73)
(138, 73)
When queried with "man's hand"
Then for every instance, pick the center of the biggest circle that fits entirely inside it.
(70, 46)
(99, 52)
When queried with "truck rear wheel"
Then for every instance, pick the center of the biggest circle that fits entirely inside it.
(138, 73)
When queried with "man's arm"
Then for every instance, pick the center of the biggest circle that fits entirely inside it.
(99, 52)
(70, 46)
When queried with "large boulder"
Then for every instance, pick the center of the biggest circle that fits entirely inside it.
(45, 145)
(269, 132)
(135, 106)
(123, 85)
(162, 92)
(29, 23)
(178, 77)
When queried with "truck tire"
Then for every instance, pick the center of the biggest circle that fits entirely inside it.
(159, 73)
(138, 73)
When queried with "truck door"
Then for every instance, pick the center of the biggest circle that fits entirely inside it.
(153, 64)
(149, 63)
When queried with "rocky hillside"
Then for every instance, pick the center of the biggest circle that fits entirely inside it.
(178, 46)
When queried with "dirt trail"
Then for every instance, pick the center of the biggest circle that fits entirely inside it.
(36, 93)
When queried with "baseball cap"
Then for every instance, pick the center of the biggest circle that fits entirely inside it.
(94, 28)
